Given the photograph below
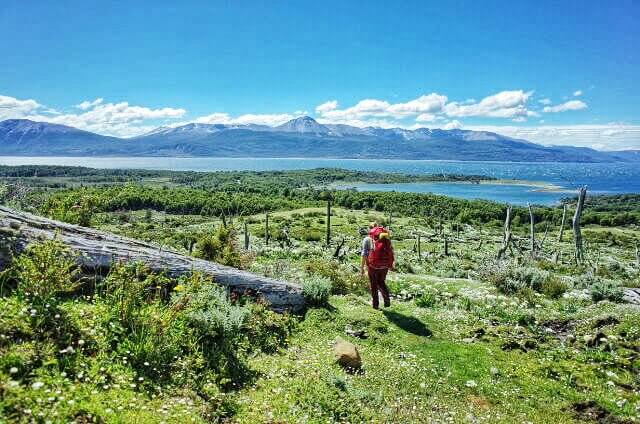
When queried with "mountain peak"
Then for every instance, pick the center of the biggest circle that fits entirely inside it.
(303, 124)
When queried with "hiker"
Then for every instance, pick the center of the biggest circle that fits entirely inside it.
(377, 255)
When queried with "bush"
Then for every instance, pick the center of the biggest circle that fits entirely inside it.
(221, 247)
(316, 290)
(212, 314)
(45, 270)
(555, 287)
(342, 281)
(310, 234)
(513, 280)
(427, 299)
(606, 290)
(268, 330)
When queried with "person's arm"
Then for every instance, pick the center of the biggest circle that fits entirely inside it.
(363, 264)
(364, 255)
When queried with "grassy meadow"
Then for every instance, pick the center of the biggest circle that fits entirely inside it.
(532, 337)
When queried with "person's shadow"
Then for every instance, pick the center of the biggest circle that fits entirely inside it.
(408, 324)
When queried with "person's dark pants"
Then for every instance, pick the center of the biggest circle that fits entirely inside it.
(377, 279)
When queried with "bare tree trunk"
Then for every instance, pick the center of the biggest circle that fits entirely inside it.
(638, 254)
(336, 253)
(246, 236)
(328, 222)
(446, 244)
(506, 236)
(533, 230)
(564, 220)
(544, 237)
(98, 251)
(577, 233)
(266, 229)
(420, 248)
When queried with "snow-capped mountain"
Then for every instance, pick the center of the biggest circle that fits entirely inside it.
(304, 124)
(300, 137)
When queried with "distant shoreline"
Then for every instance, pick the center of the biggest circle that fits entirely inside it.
(540, 185)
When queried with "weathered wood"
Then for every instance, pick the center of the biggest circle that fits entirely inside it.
(446, 244)
(99, 250)
(246, 236)
(533, 230)
(564, 220)
(577, 233)
(506, 236)
(328, 222)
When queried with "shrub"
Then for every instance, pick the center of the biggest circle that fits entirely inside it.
(221, 247)
(606, 290)
(212, 313)
(45, 270)
(427, 299)
(316, 290)
(555, 287)
(342, 281)
(268, 330)
(310, 234)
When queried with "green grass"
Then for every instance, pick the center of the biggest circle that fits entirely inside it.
(452, 348)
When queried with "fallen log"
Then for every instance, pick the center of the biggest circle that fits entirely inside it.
(99, 250)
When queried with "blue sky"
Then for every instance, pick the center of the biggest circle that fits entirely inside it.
(553, 72)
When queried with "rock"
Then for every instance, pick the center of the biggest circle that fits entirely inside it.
(589, 340)
(347, 355)
(360, 334)
(571, 338)
(593, 341)
(631, 295)
(494, 371)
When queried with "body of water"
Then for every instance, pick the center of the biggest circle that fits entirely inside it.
(600, 177)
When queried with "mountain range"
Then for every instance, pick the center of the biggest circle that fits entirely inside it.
(300, 137)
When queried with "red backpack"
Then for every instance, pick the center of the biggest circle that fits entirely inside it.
(382, 254)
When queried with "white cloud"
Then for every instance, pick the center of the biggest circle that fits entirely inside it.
(603, 137)
(118, 119)
(545, 101)
(367, 108)
(87, 104)
(577, 93)
(505, 104)
(12, 108)
(563, 107)
(452, 125)
(327, 106)
(425, 117)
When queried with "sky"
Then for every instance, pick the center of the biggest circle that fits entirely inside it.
(553, 72)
